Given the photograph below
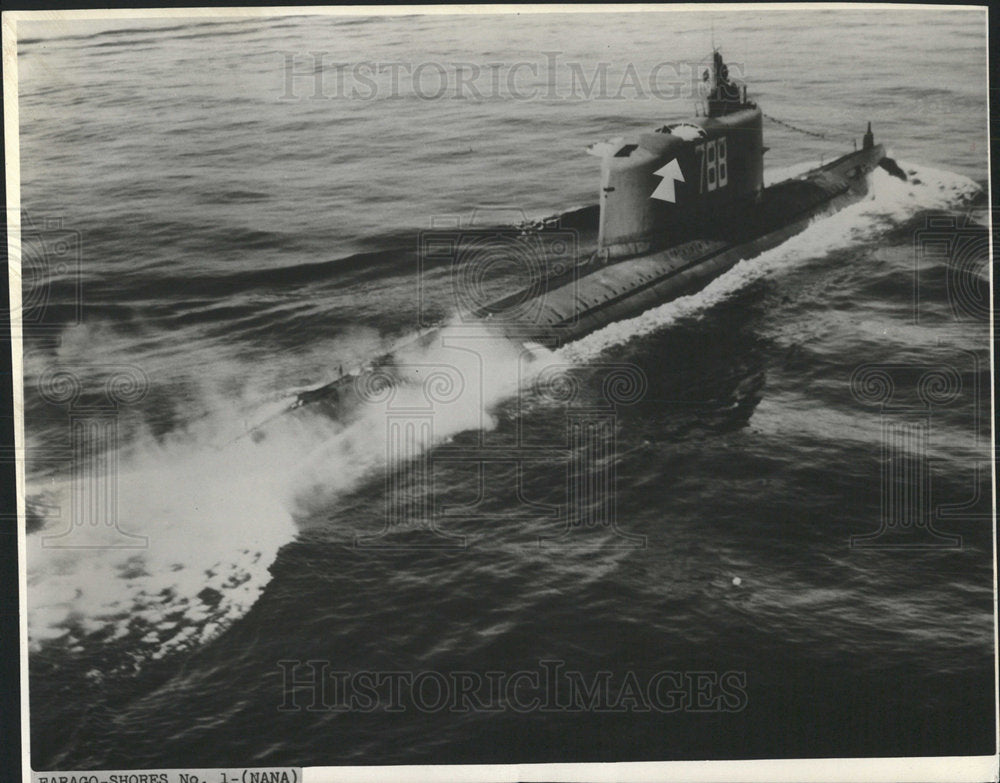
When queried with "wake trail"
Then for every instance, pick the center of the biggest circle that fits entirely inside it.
(215, 518)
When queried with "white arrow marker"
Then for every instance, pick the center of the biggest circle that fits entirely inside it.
(665, 190)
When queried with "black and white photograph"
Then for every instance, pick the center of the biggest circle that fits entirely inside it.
(502, 393)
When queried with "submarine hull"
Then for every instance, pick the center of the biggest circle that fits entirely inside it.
(679, 206)
(597, 294)
(592, 295)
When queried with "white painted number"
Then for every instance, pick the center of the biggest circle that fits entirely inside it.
(721, 164)
(712, 164)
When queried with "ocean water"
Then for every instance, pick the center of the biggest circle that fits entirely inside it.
(220, 218)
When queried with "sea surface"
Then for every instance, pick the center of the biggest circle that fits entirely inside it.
(220, 213)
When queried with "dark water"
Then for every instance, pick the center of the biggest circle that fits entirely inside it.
(237, 246)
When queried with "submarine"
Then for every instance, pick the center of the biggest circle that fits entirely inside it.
(679, 206)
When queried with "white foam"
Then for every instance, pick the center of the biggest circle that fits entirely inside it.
(216, 516)
(212, 519)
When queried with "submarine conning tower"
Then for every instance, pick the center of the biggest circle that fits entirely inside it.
(683, 173)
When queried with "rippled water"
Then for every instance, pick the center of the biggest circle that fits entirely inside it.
(240, 240)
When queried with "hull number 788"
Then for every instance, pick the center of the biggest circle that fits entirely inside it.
(712, 164)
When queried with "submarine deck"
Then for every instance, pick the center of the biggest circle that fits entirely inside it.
(593, 294)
